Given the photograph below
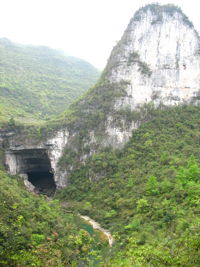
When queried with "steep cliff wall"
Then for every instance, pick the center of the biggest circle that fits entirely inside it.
(156, 61)
(159, 54)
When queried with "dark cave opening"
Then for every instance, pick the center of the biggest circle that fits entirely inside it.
(43, 181)
(35, 163)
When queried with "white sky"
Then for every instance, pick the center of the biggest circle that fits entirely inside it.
(83, 28)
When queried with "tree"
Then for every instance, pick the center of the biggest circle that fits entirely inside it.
(152, 186)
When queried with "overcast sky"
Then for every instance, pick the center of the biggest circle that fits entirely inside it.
(83, 28)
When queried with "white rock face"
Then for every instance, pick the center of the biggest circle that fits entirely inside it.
(57, 145)
(29, 185)
(170, 47)
(117, 136)
(11, 162)
(159, 59)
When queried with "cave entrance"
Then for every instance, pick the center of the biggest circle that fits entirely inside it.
(36, 166)
(43, 181)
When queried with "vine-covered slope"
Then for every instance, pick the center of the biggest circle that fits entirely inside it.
(38, 82)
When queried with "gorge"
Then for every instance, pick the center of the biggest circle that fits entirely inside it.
(142, 71)
(126, 154)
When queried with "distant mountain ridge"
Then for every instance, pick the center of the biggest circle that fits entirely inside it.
(38, 82)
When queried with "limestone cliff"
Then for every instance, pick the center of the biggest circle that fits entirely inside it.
(156, 61)
(159, 55)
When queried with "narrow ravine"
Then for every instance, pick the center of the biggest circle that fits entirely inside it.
(96, 226)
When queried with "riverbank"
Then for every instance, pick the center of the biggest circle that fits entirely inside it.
(97, 226)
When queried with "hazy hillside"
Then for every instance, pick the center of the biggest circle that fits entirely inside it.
(38, 81)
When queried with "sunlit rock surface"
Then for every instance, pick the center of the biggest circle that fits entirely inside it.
(159, 55)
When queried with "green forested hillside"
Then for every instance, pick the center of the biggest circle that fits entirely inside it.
(39, 82)
(148, 193)
(36, 231)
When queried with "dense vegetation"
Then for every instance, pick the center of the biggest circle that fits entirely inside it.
(36, 231)
(39, 82)
(148, 193)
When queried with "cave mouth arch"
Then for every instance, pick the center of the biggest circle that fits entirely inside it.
(35, 165)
